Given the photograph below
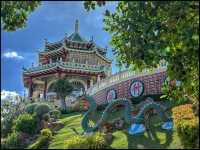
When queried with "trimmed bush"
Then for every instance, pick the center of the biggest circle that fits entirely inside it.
(95, 141)
(25, 123)
(55, 114)
(182, 112)
(42, 109)
(46, 132)
(13, 141)
(46, 117)
(77, 142)
(188, 130)
(43, 140)
(30, 108)
(187, 125)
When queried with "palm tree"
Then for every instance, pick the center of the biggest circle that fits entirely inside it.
(63, 88)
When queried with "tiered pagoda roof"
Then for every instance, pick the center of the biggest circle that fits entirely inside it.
(75, 42)
(65, 66)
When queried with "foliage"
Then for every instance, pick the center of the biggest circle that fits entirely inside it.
(88, 5)
(55, 114)
(46, 132)
(30, 108)
(13, 141)
(182, 112)
(39, 143)
(144, 33)
(95, 141)
(187, 125)
(10, 110)
(188, 130)
(76, 142)
(46, 117)
(63, 88)
(25, 123)
(14, 13)
(43, 140)
(42, 109)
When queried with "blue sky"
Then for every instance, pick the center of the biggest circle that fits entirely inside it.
(51, 20)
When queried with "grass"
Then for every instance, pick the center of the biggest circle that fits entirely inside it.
(154, 138)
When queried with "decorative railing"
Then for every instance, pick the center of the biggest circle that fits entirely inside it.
(121, 76)
(66, 65)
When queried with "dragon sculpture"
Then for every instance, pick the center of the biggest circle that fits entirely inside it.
(136, 121)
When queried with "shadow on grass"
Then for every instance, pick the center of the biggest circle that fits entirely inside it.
(154, 138)
(151, 141)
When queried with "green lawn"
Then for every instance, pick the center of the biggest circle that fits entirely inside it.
(154, 138)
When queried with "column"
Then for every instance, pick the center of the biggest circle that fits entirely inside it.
(91, 82)
(30, 87)
(45, 88)
(98, 78)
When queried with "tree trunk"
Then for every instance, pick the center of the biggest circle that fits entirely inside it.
(63, 104)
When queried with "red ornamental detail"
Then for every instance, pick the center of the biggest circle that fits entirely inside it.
(111, 95)
(136, 89)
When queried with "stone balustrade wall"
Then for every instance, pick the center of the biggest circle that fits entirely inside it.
(152, 79)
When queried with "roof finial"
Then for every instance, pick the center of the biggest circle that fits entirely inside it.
(91, 39)
(76, 26)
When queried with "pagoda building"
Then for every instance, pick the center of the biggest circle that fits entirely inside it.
(81, 62)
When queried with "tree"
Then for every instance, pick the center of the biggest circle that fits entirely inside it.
(14, 13)
(143, 33)
(63, 88)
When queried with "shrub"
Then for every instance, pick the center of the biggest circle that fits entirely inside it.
(188, 130)
(182, 112)
(187, 125)
(43, 140)
(13, 141)
(46, 117)
(55, 114)
(25, 123)
(30, 108)
(46, 132)
(41, 109)
(77, 142)
(10, 110)
(95, 141)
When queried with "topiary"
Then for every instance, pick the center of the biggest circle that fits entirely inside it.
(76, 142)
(25, 123)
(95, 141)
(46, 117)
(187, 125)
(55, 114)
(30, 108)
(41, 109)
(46, 132)
(13, 141)
(43, 140)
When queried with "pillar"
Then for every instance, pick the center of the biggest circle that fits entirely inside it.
(30, 87)
(98, 78)
(45, 89)
(91, 82)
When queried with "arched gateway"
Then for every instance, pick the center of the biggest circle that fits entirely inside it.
(81, 62)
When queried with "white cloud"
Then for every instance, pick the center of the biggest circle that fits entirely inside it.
(8, 95)
(12, 54)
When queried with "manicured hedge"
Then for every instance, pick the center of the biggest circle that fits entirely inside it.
(187, 125)
(25, 123)
(43, 140)
(95, 141)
